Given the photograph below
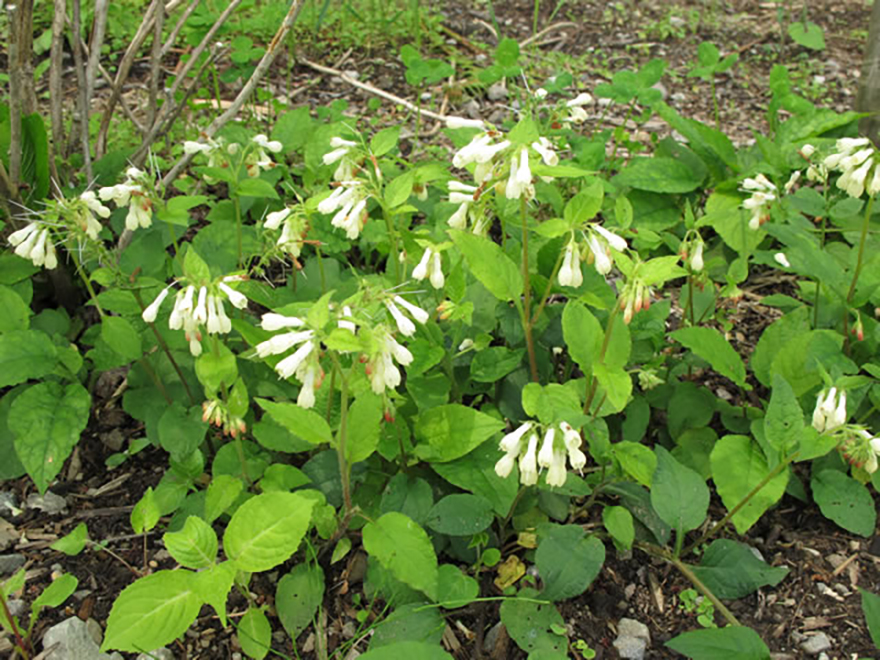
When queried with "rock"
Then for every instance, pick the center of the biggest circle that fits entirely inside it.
(95, 631)
(816, 644)
(471, 109)
(114, 440)
(782, 656)
(9, 503)
(70, 640)
(49, 503)
(660, 87)
(11, 563)
(633, 639)
(492, 637)
(497, 92)
(161, 654)
(351, 73)
(16, 607)
(8, 534)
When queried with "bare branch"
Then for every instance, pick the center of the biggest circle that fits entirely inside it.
(269, 56)
(177, 28)
(15, 92)
(56, 68)
(99, 26)
(156, 65)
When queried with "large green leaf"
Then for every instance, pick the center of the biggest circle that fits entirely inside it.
(193, 546)
(731, 570)
(460, 514)
(738, 466)
(364, 424)
(181, 431)
(266, 530)
(47, 420)
(409, 495)
(412, 622)
(710, 345)
(305, 424)
(845, 501)
(451, 431)
(678, 494)
(660, 175)
(152, 612)
(255, 633)
(567, 560)
(403, 548)
(120, 335)
(731, 643)
(871, 609)
(582, 333)
(25, 354)
(298, 596)
(476, 472)
(490, 265)
(784, 422)
(533, 626)
(14, 312)
(409, 650)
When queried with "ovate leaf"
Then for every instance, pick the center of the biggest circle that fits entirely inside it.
(678, 494)
(730, 643)
(403, 548)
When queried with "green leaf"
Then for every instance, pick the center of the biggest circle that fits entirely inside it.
(801, 360)
(35, 157)
(660, 270)
(74, 542)
(551, 403)
(145, 514)
(711, 346)
(454, 588)
(153, 611)
(845, 501)
(256, 187)
(637, 460)
(412, 622)
(398, 189)
(25, 354)
(223, 490)
(490, 265)
(214, 584)
(460, 515)
(266, 530)
(410, 650)
(658, 174)
(784, 422)
(567, 561)
(255, 633)
(55, 594)
(731, 570)
(14, 313)
(738, 466)
(730, 643)
(616, 386)
(494, 363)
(385, 140)
(47, 420)
(194, 266)
(475, 472)
(403, 548)
(871, 610)
(451, 431)
(532, 626)
(678, 494)
(194, 546)
(298, 596)
(364, 424)
(507, 53)
(216, 368)
(584, 206)
(181, 431)
(582, 333)
(807, 34)
(619, 523)
(411, 496)
(305, 424)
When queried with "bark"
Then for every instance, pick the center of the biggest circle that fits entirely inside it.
(868, 98)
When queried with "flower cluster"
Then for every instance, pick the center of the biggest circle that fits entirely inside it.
(598, 243)
(861, 449)
(293, 224)
(854, 158)
(577, 114)
(302, 363)
(34, 242)
(552, 455)
(135, 193)
(349, 205)
(691, 252)
(430, 266)
(763, 191)
(342, 153)
(215, 412)
(84, 214)
(830, 411)
(258, 160)
(406, 327)
(380, 367)
(635, 297)
(194, 308)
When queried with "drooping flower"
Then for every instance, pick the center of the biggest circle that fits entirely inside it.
(854, 158)
(830, 410)
(430, 266)
(136, 192)
(763, 191)
(34, 242)
(88, 222)
(404, 324)
(545, 150)
(528, 463)
(781, 259)
(382, 371)
(697, 257)
(349, 201)
(258, 160)
(570, 272)
(462, 122)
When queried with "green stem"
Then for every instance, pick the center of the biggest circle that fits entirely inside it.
(863, 239)
(392, 236)
(715, 104)
(85, 278)
(745, 500)
(19, 641)
(685, 570)
(341, 440)
(547, 290)
(321, 270)
(594, 383)
(818, 284)
(527, 290)
(237, 204)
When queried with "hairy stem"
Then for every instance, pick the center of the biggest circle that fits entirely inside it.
(527, 291)
(594, 382)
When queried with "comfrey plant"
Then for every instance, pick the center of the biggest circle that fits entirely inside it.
(440, 371)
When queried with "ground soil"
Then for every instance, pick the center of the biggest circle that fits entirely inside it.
(826, 564)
